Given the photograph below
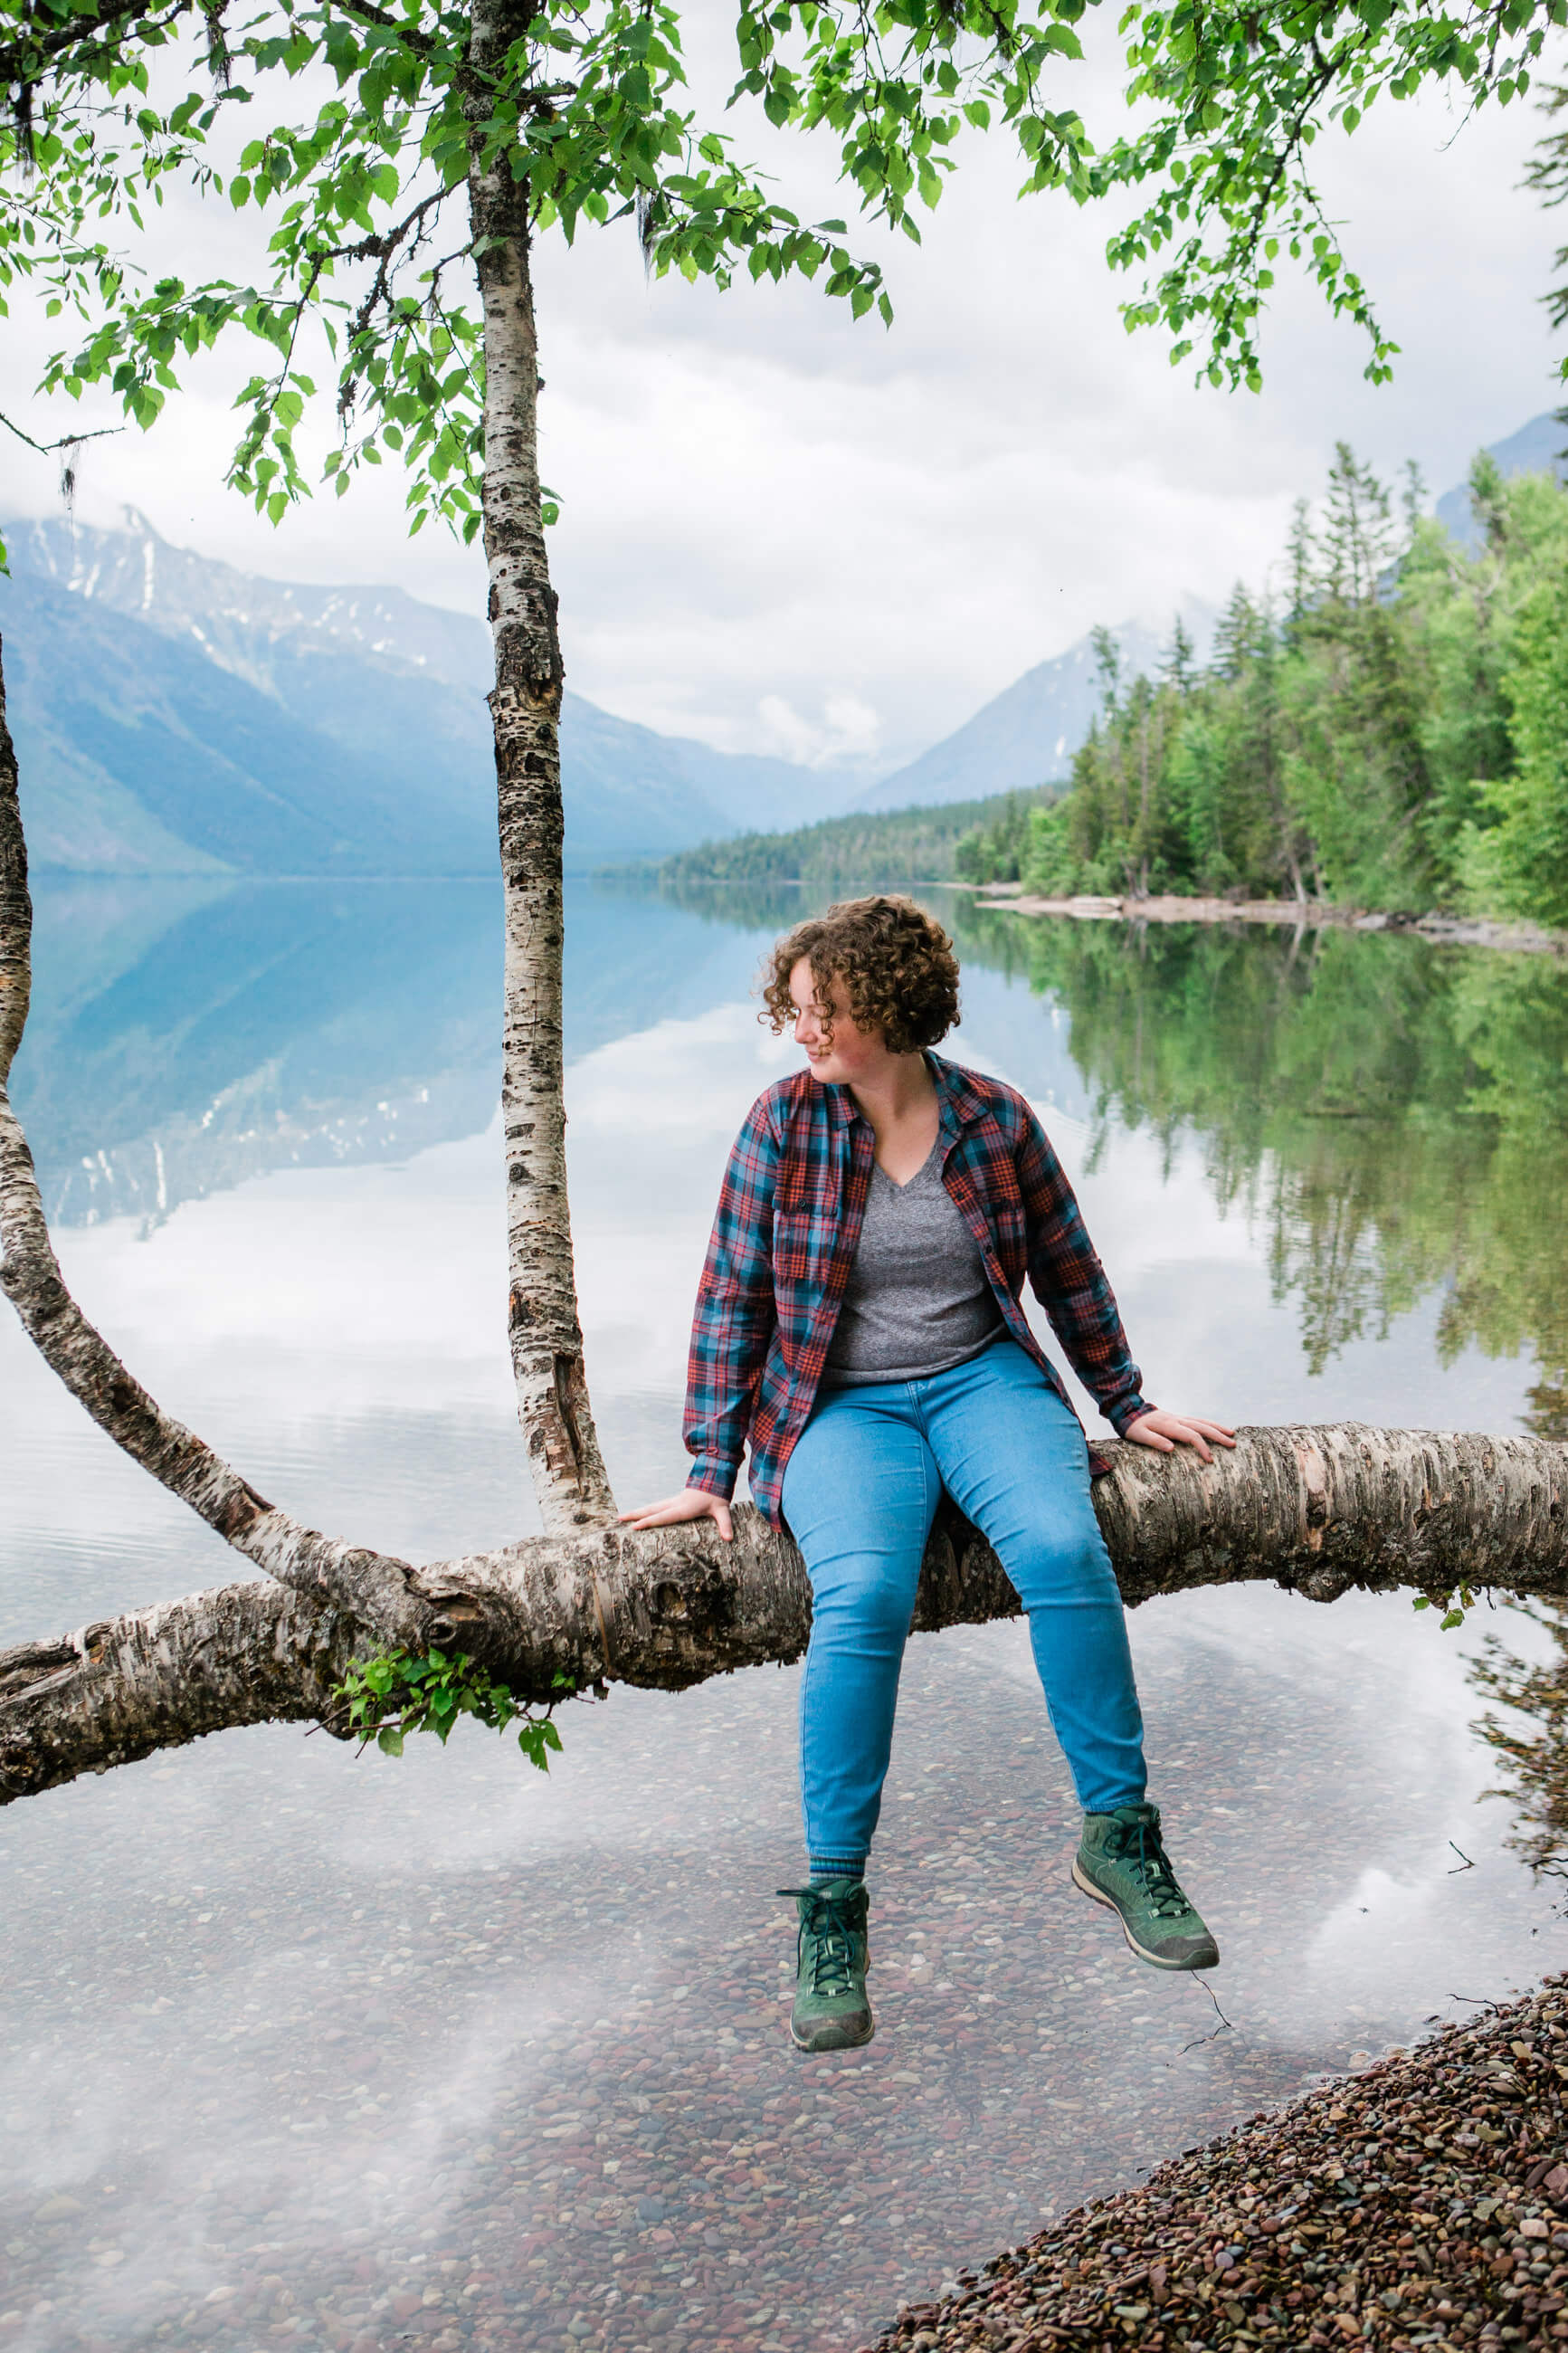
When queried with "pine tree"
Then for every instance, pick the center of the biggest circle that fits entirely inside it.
(1107, 663)
(1548, 174)
(1301, 562)
(1358, 530)
(1489, 500)
(1238, 635)
(1413, 501)
(1180, 663)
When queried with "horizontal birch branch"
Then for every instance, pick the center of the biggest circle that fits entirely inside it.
(1316, 1511)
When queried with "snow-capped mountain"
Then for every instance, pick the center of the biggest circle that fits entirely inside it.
(176, 716)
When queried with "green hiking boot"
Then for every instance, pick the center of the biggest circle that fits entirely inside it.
(832, 2011)
(1121, 1862)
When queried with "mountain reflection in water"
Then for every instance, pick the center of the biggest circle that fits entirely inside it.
(185, 1036)
(1391, 1114)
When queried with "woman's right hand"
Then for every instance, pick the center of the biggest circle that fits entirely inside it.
(691, 1503)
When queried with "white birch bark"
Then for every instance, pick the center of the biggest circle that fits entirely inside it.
(546, 1335)
(1313, 1510)
(124, 1688)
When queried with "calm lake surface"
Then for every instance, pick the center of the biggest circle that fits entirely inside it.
(302, 2047)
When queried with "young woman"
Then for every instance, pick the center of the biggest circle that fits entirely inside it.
(858, 1324)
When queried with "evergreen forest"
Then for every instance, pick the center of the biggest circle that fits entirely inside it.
(1386, 727)
(888, 850)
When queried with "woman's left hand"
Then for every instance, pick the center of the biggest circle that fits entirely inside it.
(1166, 1431)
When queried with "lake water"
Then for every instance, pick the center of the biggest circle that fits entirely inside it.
(308, 2048)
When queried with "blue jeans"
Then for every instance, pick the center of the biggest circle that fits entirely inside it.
(859, 1492)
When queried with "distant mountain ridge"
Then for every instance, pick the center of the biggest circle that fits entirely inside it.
(175, 715)
(1027, 735)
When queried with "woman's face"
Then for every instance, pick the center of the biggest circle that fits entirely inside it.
(839, 1052)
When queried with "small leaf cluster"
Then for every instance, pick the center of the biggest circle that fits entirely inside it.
(896, 87)
(1452, 1603)
(385, 1698)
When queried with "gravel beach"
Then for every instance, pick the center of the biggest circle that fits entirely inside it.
(1421, 2203)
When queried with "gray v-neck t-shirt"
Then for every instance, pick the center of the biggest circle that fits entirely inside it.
(919, 1300)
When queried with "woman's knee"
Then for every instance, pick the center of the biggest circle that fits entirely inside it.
(864, 1598)
(1055, 1561)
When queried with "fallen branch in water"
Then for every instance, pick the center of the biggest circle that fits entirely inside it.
(1316, 1511)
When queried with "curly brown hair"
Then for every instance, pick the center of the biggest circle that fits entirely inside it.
(896, 963)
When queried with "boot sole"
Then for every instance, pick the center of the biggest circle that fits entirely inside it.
(845, 2042)
(1155, 1960)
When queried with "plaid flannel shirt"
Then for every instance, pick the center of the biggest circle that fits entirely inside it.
(784, 1242)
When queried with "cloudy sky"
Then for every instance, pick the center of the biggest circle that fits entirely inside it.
(785, 531)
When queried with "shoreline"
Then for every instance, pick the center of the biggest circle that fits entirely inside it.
(1291, 915)
(1420, 2203)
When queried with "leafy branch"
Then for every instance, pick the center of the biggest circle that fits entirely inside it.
(587, 111)
(583, 110)
(1242, 94)
(386, 1698)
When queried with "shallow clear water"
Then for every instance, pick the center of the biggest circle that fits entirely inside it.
(361, 2053)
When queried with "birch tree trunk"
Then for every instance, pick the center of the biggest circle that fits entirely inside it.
(542, 1312)
(16, 906)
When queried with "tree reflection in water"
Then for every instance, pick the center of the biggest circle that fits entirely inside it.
(1534, 1759)
(1394, 1111)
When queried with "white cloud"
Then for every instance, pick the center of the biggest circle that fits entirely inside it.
(849, 730)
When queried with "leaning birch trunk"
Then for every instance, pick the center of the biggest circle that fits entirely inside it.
(371, 1587)
(16, 906)
(546, 1335)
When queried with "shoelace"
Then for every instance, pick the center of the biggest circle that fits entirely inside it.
(834, 1929)
(1153, 1867)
